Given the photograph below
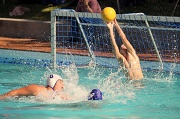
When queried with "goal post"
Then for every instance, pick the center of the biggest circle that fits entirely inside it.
(84, 36)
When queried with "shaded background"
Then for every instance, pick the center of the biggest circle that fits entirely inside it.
(41, 11)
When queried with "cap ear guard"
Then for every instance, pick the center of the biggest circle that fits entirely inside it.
(52, 79)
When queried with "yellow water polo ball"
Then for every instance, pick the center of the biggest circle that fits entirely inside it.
(108, 14)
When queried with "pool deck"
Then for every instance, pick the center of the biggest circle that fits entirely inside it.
(25, 44)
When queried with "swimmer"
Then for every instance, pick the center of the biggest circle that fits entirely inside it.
(95, 94)
(54, 83)
(126, 54)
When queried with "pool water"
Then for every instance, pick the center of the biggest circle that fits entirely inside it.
(156, 96)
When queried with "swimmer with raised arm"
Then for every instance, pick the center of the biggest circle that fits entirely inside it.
(126, 54)
(54, 84)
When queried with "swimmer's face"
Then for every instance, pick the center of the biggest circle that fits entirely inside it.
(123, 50)
(59, 86)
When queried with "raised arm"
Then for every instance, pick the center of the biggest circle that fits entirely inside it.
(124, 38)
(118, 55)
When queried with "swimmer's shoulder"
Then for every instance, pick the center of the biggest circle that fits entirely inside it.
(36, 88)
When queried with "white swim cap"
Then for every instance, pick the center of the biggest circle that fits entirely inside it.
(52, 79)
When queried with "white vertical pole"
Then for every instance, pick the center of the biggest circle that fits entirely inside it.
(152, 38)
(53, 39)
(84, 36)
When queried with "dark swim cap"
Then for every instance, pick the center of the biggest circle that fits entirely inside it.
(95, 94)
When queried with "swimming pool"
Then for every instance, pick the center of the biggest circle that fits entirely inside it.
(157, 96)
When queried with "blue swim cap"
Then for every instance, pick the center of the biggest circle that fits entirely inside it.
(95, 94)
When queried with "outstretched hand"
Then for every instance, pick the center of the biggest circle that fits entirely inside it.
(110, 25)
(115, 22)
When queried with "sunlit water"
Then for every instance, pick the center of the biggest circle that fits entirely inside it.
(156, 96)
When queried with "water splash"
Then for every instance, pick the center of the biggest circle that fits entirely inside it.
(70, 73)
(95, 73)
(93, 70)
(163, 76)
(112, 85)
(115, 90)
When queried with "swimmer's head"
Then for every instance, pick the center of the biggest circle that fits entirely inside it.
(52, 79)
(123, 49)
(95, 94)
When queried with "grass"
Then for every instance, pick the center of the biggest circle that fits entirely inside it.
(42, 12)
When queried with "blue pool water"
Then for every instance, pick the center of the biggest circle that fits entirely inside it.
(156, 96)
